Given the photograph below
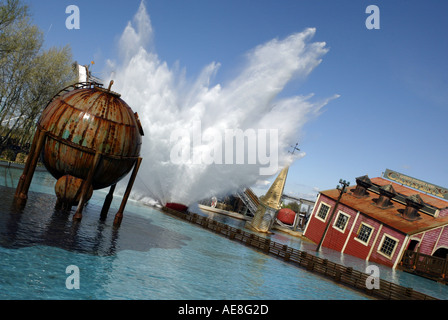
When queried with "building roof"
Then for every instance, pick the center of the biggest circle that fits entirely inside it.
(406, 191)
(392, 216)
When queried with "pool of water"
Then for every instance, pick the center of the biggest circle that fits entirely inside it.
(151, 256)
(399, 277)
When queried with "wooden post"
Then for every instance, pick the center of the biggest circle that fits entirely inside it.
(445, 266)
(107, 202)
(30, 166)
(416, 258)
(345, 184)
(27, 164)
(86, 186)
(119, 215)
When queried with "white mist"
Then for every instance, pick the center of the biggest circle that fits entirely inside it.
(166, 101)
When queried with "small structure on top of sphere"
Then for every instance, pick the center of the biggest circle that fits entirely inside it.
(89, 139)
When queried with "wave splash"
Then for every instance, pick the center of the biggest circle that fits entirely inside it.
(167, 102)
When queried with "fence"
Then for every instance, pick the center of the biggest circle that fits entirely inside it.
(338, 273)
(431, 267)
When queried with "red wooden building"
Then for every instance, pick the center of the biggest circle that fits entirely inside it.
(378, 219)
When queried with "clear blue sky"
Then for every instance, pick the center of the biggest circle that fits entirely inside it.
(393, 104)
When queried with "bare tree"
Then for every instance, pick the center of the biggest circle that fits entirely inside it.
(10, 11)
(29, 76)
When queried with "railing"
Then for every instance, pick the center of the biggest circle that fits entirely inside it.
(338, 273)
(424, 265)
(248, 200)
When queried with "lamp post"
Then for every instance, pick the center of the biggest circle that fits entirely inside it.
(342, 190)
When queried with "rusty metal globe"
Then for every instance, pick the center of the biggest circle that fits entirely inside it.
(81, 122)
(88, 138)
(68, 191)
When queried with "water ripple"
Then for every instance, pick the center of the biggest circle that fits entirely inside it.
(39, 223)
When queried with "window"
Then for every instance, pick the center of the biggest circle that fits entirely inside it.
(388, 246)
(341, 221)
(364, 233)
(323, 211)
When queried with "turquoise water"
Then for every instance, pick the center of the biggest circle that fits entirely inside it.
(151, 256)
(399, 277)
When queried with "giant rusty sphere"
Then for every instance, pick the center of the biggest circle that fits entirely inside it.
(82, 121)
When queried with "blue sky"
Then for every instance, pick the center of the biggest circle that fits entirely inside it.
(392, 82)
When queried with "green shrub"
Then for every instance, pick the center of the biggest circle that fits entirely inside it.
(8, 155)
(21, 157)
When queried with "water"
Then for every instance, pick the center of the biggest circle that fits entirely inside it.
(408, 280)
(151, 256)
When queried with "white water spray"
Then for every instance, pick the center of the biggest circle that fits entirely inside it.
(166, 101)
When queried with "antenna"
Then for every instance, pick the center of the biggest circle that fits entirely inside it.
(294, 148)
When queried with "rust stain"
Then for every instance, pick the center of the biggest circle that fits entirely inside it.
(84, 121)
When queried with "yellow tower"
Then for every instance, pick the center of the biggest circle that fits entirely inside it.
(269, 205)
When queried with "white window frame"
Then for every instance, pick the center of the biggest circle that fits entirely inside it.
(318, 210)
(370, 235)
(346, 223)
(381, 245)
